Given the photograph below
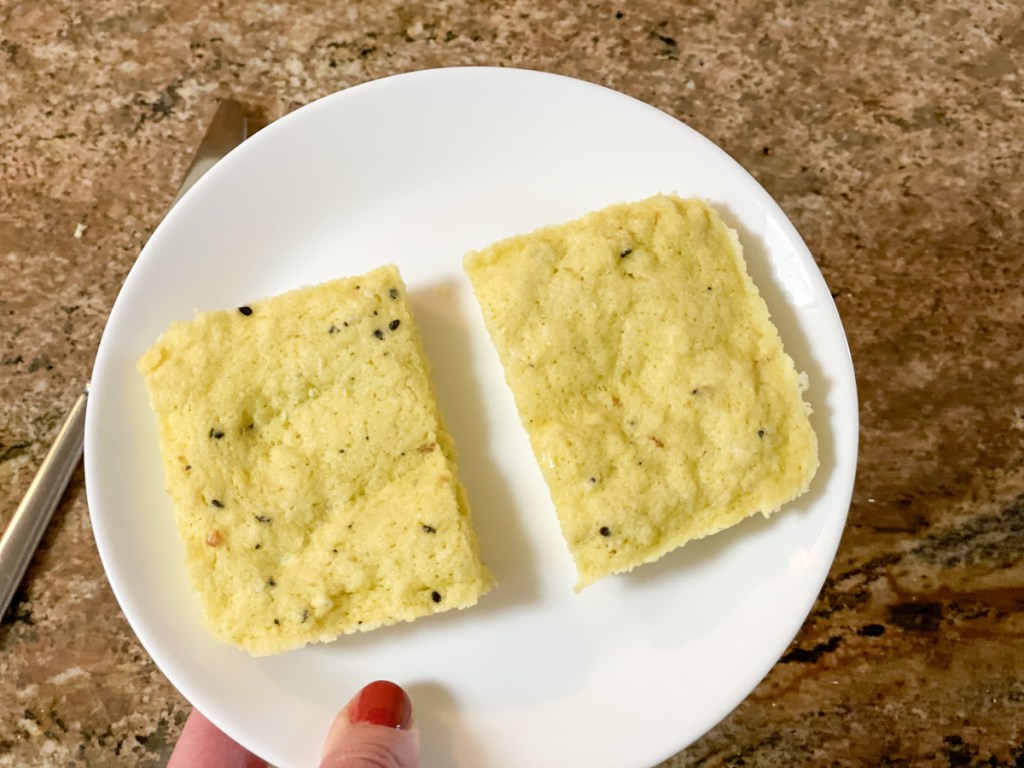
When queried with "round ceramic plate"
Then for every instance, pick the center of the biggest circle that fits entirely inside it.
(416, 170)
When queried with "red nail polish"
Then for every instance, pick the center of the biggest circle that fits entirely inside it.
(381, 703)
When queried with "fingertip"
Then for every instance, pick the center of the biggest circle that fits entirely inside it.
(378, 725)
(381, 703)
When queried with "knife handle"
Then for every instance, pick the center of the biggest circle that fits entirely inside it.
(22, 536)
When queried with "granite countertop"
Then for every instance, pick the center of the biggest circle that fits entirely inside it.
(890, 133)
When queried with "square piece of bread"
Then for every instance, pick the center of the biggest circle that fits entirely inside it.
(653, 385)
(313, 481)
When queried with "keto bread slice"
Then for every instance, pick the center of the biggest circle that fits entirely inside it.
(658, 399)
(313, 481)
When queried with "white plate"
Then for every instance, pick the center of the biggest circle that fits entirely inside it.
(417, 169)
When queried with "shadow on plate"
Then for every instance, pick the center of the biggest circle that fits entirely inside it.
(438, 713)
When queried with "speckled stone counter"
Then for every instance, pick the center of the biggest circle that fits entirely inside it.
(892, 135)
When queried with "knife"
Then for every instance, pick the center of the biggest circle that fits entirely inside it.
(232, 124)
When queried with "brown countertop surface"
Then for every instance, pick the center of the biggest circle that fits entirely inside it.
(891, 133)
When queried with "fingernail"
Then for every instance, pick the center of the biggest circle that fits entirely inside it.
(381, 703)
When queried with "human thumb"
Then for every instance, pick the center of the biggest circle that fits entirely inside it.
(374, 730)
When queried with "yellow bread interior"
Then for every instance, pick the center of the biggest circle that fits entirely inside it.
(313, 481)
(659, 402)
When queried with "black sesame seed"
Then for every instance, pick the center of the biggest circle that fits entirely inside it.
(694, 391)
(188, 467)
(217, 503)
(334, 550)
(619, 14)
(393, 325)
(429, 529)
(709, 287)
(435, 596)
(333, 329)
(216, 434)
(605, 531)
(245, 310)
(625, 253)
(257, 546)
(277, 622)
(378, 333)
(271, 583)
(760, 433)
(393, 293)
(261, 518)
(592, 480)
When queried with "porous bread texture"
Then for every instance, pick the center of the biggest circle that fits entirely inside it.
(313, 481)
(646, 370)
